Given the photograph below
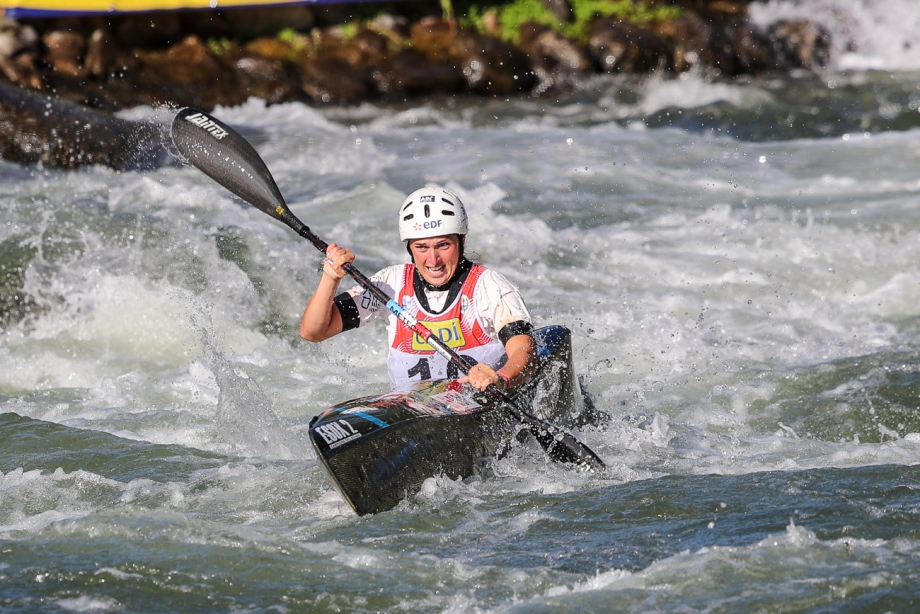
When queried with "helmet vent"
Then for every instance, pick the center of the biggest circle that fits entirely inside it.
(431, 211)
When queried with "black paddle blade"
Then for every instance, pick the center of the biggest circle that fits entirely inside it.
(558, 444)
(226, 157)
(563, 448)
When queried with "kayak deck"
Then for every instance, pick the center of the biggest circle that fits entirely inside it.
(379, 449)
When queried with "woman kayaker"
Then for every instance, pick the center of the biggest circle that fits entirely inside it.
(474, 310)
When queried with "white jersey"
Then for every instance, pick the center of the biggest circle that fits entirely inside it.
(494, 303)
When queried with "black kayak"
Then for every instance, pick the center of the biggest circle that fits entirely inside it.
(378, 450)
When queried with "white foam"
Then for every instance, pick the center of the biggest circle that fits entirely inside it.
(866, 34)
(85, 603)
(693, 90)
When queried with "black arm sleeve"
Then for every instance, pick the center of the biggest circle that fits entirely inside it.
(513, 329)
(348, 309)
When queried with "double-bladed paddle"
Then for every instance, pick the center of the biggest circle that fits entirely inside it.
(226, 157)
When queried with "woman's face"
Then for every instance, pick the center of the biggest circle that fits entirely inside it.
(436, 258)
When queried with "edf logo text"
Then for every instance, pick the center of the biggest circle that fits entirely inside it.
(428, 225)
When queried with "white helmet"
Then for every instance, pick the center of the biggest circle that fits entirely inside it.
(431, 212)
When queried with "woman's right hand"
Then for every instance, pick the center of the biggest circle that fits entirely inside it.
(336, 258)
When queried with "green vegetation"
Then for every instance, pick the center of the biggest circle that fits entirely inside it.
(472, 14)
(513, 13)
(289, 35)
(219, 46)
(516, 12)
(292, 37)
(349, 30)
(447, 8)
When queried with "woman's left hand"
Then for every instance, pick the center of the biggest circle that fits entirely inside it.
(481, 376)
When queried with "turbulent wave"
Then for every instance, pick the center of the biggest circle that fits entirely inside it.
(738, 262)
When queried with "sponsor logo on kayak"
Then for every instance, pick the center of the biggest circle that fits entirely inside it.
(207, 124)
(337, 433)
(425, 409)
(444, 404)
(454, 402)
(449, 332)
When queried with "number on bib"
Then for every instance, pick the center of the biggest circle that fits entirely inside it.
(422, 369)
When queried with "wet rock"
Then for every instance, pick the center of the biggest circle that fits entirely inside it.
(557, 61)
(409, 72)
(434, 38)
(801, 43)
(16, 39)
(271, 48)
(697, 42)
(754, 50)
(488, 65)
(332, 80)
(620, 46)
(561, 10)
(366, 48)
(274, 81)
(187, 74)
(491, 66)
(64, 51)
(549, 50)
(394, 27)
(9, 45)
(492, 23)
(102, 55)
(372, 45)
(37, 128)
(190, 61)
(21, 70)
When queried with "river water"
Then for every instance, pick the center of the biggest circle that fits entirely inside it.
(739, 262)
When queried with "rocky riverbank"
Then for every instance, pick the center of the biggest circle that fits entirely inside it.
(323, 56)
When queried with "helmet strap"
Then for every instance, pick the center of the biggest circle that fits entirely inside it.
(453, 287)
